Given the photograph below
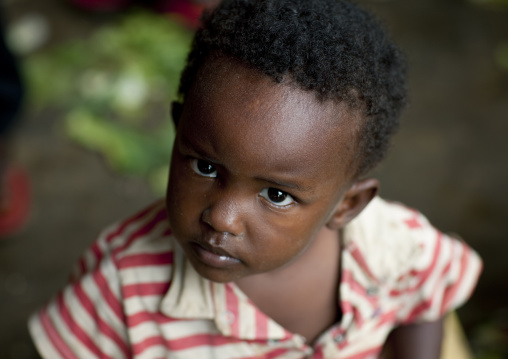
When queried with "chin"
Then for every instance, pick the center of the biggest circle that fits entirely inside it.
(214, 274)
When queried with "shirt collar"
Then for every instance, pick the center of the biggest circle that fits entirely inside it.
(191, 296)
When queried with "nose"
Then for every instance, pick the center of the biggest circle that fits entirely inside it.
(224, 214)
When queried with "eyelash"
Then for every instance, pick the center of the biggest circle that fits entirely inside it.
(195, 164)
(195, 167)
(266, 195)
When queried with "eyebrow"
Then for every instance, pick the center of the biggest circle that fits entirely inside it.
(287, 184)
(195, 148)
(276, 182)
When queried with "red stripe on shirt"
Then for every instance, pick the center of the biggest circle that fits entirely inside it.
(144, 230)
(427, 303)
(418, 310)
(85, 267)
(360, 259)
(130, 220)
(358, 317)
(191, 341)
(197, 340)
(232, 306)
(274, 353)
(318, 354)
(78, 332)
(348, 307)
(145, 289)
(423, 274)
(147, 343)
(103, 327)
(347, 277)
(96, 252)
(261, 325)
(54, 337)
(145, 259)
(414, 221)
(106, 293)
(450, 292)
(111, 236)
(386, 318)
(145, 316)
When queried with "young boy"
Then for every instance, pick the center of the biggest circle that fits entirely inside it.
(272, 242)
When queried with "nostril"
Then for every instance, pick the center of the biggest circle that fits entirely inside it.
(222, 221)
(205, 217)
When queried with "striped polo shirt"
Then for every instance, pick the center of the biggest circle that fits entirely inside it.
(134, 294)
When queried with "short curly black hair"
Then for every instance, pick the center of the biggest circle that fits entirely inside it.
(330, 47)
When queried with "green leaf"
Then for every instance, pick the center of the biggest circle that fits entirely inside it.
(111, 87)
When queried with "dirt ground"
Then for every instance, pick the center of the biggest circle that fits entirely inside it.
(449, 159)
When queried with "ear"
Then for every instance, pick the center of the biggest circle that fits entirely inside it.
(176, 111)
(354, 201)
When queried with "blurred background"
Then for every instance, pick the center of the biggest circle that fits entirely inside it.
(93, 137)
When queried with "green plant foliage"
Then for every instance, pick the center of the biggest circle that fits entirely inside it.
(115, 88)
(502, 55)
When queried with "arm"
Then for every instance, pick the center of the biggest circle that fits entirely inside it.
(415, 341)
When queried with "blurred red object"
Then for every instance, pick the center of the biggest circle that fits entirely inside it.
(189, 11)
(15, 206)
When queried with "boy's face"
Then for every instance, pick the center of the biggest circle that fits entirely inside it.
(257, 171)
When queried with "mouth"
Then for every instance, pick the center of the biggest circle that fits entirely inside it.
(213, 256)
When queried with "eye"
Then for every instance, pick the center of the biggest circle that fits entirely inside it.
(277, 197)
(203, 168)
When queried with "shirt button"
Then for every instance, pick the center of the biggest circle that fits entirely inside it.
(376, 312)
(339, 338)
(371, 291)
(298, 340)
(229, 317)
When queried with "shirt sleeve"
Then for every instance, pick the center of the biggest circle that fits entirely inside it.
(85, 319)
(442, 276)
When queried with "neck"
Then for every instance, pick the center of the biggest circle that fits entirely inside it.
(302, 296)
(321, 256)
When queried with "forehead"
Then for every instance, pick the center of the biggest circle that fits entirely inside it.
(280, 125)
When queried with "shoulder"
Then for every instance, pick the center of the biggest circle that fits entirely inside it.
(396, 240)
(142, 228)
(91, 314)
(426, 271)
(142, 232)
(390, 236)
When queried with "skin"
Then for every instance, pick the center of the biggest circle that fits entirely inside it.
(418, 341)
(262, 180)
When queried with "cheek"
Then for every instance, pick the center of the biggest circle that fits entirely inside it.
(183, 202)
(283, 238)
(296, 232)
(299, 227)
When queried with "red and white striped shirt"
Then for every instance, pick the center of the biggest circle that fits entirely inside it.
(135, 295)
